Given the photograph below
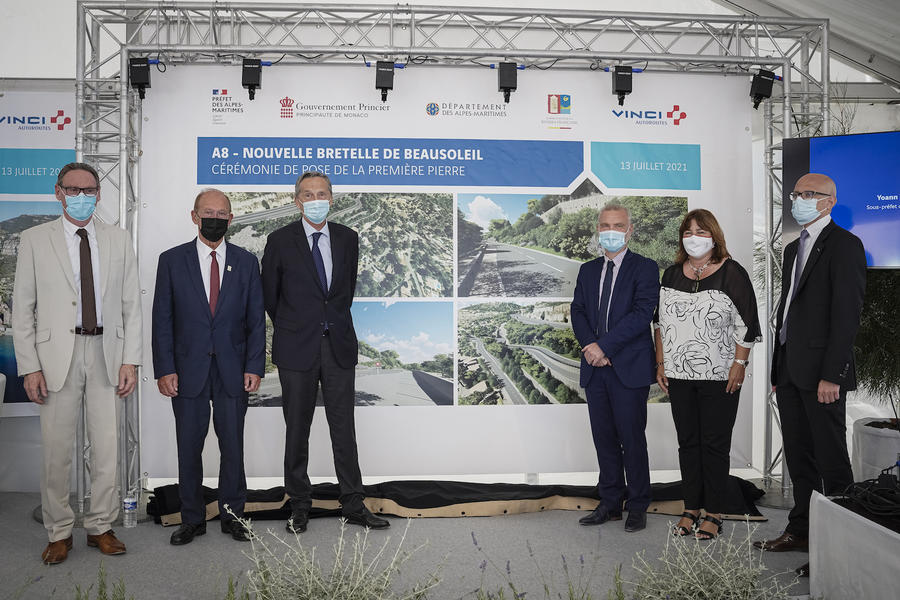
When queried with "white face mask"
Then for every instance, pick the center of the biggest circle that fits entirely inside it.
(696, 246)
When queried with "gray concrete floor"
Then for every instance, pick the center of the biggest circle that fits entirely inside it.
(533, 545)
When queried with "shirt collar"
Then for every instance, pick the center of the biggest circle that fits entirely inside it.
(617, 260)
(310, 230)
(204, 251)
(71, 228)
(816, 228)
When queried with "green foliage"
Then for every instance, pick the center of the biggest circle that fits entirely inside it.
(720, 570)
(441, 363)
(876, 347)
(118, 592)
(469, 235)
(286, 570)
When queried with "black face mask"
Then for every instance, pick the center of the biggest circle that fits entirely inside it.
(212, 228)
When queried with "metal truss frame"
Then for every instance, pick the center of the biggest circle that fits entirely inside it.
(108, 129)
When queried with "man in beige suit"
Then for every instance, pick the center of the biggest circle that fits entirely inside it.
(77, 334)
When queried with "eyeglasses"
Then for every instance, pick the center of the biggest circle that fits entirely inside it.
(806, 195)
(74, 191)
(213, 214)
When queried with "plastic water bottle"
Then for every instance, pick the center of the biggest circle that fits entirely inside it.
(129, 511)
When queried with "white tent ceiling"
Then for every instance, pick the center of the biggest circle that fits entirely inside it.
(864, 34)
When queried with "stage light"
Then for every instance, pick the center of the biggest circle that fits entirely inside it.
(384, 77)
(251, 75)
(506, 79)
(761, 87)
(621, 82)
(139, 74)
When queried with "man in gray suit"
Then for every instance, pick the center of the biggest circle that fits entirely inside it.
(77, 334)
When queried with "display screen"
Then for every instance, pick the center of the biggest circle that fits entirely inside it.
(866, 169)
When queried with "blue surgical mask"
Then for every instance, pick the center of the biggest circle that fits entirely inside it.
(611, 240)
(80, 207)
(804, 211)
(316, 210)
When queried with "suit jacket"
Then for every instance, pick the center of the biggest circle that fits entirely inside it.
(297, 304)
(45, 302)
(824, 317)
(186, 334)
(628, 344)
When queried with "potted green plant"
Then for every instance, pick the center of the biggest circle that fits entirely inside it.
(876, 441)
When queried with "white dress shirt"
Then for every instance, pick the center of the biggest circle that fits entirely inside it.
(814, 230)
(73, 244)
(204, 254)
(324, 246)
(617, 261)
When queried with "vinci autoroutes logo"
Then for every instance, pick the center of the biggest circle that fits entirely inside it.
(37, 122)
(652, 117)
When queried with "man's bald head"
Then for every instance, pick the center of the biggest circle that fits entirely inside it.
(816, 182)
(212, 196)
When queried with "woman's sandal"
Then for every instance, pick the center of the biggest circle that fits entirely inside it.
(704, 535)
(681, 530)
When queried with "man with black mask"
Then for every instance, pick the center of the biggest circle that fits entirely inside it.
(209, 342)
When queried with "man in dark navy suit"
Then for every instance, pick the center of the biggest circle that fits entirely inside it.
(309, 276)
(209, 345)
(615, 297)
(823, 284)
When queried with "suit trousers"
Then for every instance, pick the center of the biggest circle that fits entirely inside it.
(815, 445)
(191, 426)
(704, 415)
(299, 393)
(618, 420)
(87, 383)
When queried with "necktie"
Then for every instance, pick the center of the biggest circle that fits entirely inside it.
(213, 283)
(604, 296)
(88, 302)
(320, 264)
(798, 271)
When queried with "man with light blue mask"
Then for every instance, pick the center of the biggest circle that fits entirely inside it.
(77, 334)
(823, 284)
(309, 276)
(615, 296)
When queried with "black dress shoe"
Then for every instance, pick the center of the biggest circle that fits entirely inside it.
(784, 543)
(298, 522)
(599, 516)
(635, 521)
(236, 530)
(186, 533)
(802, 571)
(367, 519)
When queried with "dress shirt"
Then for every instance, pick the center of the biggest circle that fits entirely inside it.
(204, 254)
(324, 246)
(618, 262)
(814, 230)
(73, 244)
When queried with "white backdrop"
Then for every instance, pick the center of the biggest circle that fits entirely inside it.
(191, 102)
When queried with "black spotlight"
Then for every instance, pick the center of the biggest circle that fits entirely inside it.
(506, 79)
(621, 82)
(384, 77)
(251, 75)
(761, 87)
(139, 74)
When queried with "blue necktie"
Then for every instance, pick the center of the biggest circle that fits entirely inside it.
(604, 296)
(798, 271)
(320, 264)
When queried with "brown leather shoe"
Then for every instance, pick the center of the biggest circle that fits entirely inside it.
(784, 543)
(107, 542)
(57, 551)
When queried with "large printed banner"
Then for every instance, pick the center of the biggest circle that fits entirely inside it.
(37, 137)
(474, 217)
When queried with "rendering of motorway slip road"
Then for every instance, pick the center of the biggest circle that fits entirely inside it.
(512, 271)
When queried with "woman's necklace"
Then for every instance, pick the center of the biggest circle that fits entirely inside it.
(698, 271)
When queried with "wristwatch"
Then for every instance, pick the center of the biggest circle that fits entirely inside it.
(743, 363)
